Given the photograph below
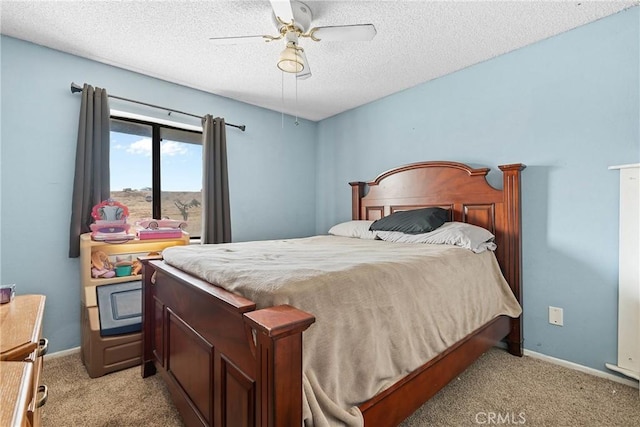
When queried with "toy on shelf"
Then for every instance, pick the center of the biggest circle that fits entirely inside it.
(123, 265)
(101, 266)
(136, 267)
(164, 228)
(154, 224)
(110, 222)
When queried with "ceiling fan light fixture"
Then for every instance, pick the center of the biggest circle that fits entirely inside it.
(290, 60)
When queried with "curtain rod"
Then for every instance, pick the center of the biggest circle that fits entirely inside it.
(76, 88)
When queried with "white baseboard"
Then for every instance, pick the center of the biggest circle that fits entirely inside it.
(580, 368)
(62, 353)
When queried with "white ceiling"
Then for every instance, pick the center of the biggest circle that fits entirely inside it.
(416, 41)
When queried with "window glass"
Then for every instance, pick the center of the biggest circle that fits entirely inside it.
(156, 171)
(131, 167)
(181, 177)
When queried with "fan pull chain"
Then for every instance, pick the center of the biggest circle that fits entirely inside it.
(282, 96)
(295, 76)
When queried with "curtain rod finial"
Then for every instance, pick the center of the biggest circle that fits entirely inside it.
(75, 88)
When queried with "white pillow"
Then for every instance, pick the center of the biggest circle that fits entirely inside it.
(357, 228)
(461, 234)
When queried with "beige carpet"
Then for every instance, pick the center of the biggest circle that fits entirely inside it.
(499, 389)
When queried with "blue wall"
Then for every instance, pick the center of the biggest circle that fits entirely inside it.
(567, 107)
(271, 169)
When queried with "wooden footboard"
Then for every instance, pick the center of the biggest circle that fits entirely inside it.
(227, 364)
(396, 403)
(224, 362)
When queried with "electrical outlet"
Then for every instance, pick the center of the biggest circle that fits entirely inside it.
(556, 316)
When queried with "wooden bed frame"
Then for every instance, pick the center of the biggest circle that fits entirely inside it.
(226, 363)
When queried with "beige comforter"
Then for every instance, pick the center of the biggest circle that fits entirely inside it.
(382, 309)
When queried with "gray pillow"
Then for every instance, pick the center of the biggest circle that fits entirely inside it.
(415, 221)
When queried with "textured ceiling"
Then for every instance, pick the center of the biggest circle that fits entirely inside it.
(416, 41)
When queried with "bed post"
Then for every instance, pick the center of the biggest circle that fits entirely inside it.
(278, 339)
(513, 247)
(357, 193)
(148, 368)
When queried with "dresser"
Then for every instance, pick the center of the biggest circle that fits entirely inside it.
(629, 273)
(21, 351)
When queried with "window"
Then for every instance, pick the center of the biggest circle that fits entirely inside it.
(156, 171)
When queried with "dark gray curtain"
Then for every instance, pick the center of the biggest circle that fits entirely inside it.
(91, 180)
(216, 214)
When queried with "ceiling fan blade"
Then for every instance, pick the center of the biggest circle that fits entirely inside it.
(238, 40)
(358, 32)
(306, 72)
(282, 9)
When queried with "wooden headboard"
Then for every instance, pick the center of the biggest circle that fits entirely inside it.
(461, 189)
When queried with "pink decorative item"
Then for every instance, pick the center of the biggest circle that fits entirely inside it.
(154, 224)
(110, 221)
(160, 233)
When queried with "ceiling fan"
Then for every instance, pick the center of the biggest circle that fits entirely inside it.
(293, 19)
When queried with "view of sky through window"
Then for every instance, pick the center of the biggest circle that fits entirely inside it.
(130, 166)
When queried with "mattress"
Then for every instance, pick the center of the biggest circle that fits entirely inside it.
(382, 308)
